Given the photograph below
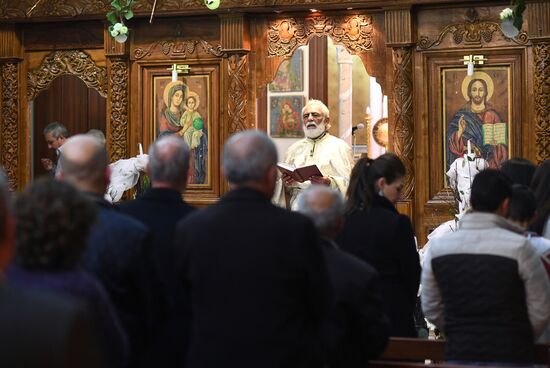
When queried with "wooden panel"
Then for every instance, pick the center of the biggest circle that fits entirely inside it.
(10, 43)
(70, 102)
(63, 36)
(235, 34)
(538, 19)
(398, 27)
(463, 28)
(112, 47)
(318, 73)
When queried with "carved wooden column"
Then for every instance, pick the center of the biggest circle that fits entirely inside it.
(539, 33)
(11, 130)
(235, 42)
(401, 124)
(118, 104)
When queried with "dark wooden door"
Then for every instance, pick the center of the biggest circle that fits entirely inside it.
(69, 101)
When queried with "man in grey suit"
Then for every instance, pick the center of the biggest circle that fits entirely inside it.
(39, 329)
(356, 329)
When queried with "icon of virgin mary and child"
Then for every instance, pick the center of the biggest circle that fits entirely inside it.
(177, 117)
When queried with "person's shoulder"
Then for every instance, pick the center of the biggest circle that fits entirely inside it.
(37, 304)
(116, 219)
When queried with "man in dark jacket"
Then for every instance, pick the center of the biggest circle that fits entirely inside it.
(255, 272)
(160, 208)
(116, 242)
(356, 330)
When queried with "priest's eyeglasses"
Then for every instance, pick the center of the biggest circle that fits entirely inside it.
(315, 115)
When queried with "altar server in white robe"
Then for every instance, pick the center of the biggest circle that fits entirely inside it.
(331, 155)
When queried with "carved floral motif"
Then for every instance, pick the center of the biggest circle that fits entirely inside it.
(403, 137)
(354, 33)
(74, 8)
(236, 109)
(74, 62)
(470, 33)
(542, 100)
(10, 108)
(118, 109)
(181, 49)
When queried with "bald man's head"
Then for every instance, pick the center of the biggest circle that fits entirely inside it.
(84, 162)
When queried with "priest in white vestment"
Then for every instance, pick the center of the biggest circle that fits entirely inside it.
(331, 155)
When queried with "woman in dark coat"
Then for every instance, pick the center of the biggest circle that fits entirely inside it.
(375, 232)
(53, 221)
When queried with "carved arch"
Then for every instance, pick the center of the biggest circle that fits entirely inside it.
(353, 32)
(73, 62)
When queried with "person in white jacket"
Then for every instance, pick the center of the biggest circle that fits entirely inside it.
(484, 285)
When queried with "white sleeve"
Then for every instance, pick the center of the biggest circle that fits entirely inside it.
(342, 163)
(432, 304)
(537, 288)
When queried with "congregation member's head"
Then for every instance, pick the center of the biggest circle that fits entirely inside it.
(7, 222)
(541, 187)
(373, 179)
(53, 220)
(491, 192)
(85, 164)
(316, 118)
(519, 170)
(55, 135)
(325, 207)
(522, 207)
(169, 163)
(249, 160)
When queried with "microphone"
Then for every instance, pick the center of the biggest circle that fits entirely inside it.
(359, 126)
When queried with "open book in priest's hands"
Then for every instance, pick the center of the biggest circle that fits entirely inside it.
(300, 174)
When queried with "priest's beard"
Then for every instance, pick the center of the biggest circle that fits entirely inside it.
(314, 132)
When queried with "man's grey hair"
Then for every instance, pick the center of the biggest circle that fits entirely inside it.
(57, 129)
(324, 213)
(6, 208)
(247, 156)
(97, 134)
(324, 109)
(169, 160)
(91, 170)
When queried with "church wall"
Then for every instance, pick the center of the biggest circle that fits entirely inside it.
(240, 48)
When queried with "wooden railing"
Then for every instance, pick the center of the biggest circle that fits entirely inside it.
(411, 353)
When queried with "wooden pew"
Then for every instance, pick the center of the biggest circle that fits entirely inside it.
(411, 353)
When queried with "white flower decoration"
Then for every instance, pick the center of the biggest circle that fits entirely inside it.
(123, 30)
(117, 27)
(114, 33)
(506, 13)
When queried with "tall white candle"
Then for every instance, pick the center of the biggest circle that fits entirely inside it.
(174, 74)
(469, 147)
(385, 107)
(140, 149)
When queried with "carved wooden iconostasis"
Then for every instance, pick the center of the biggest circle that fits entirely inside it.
(442, 98)
(151, 54)
(413, 50)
